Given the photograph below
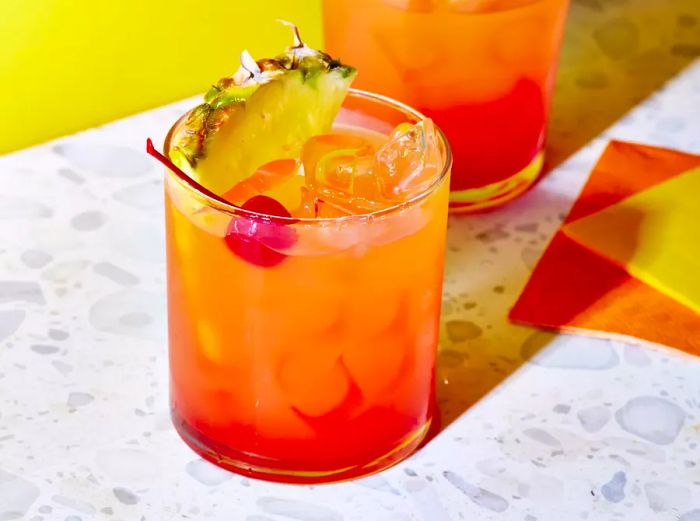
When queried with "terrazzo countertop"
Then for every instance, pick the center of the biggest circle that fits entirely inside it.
(538, 427)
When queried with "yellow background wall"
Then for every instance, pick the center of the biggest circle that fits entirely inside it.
(66, 65)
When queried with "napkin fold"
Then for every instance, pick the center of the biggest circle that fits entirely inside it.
(626, 260)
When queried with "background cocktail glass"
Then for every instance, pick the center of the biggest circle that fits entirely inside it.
(483, 70)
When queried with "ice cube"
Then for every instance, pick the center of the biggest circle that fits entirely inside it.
(339, 172)
(362, 174)
(409, 162)
(314, 380)
(410, 61)
(307, 209)
(314, 206)
(375, 364)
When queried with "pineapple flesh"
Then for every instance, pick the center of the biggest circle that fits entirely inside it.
(265, 111)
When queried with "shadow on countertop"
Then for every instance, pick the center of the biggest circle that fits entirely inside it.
(615, 54)
(488, 259)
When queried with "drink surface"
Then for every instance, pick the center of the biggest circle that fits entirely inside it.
(482, 69)
(313, 360)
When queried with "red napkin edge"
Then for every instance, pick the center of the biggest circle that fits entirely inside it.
(596, 300)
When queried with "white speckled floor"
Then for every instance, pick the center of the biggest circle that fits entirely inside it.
(581, 429)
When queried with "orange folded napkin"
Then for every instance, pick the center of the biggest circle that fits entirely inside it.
(626, 260)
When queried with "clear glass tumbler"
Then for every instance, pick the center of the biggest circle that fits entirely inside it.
(318, 366)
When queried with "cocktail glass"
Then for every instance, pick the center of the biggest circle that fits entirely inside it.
(309, 356)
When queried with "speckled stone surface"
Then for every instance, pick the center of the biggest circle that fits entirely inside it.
(537, 427)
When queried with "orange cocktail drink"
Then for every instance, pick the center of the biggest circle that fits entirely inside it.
(482, 69)
(302, 342)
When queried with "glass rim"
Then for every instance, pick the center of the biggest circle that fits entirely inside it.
(219, 203)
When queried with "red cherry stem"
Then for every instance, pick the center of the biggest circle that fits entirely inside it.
(151, 150)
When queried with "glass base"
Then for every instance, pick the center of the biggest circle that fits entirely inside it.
(475, 199)
(258, 467)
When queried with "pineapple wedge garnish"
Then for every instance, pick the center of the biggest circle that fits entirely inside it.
(265, 111)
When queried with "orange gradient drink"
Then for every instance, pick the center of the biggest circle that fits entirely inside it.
(302, 344)
(482, 69)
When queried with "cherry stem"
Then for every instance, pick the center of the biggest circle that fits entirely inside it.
(151, 150)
